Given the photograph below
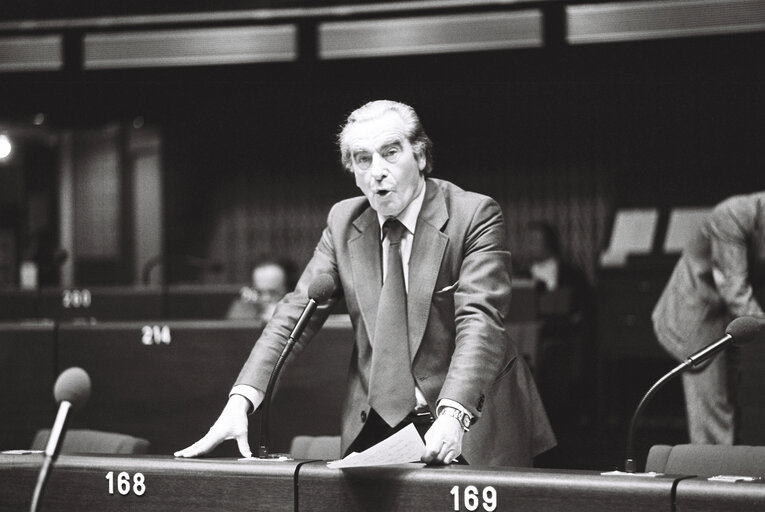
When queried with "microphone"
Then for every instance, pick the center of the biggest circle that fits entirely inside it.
(740, 331)
(320, 290)
(71, 391)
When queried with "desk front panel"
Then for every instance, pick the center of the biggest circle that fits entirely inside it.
(27, 373)
(416, 488)
(167, 381)
(701, 495)
(199, 301)
(18, 304)
(101, 302)
(99, 483)
(161, 380)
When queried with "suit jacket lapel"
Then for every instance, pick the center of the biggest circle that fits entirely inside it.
(425, 262)
(365, 253)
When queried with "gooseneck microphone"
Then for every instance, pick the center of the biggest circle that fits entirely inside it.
(740, 331)
(320, 290)
(71, 391)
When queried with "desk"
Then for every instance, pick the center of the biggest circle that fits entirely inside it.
(163, 381)
(27, 374)
(630, 359)
(751, 387)
(201, 301)
(167, 381)
(103, 303)
(411, 487)
(81, 483)
(701, 495)
(18, 304)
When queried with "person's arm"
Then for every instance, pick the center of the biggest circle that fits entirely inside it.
(731, 226)
(256, 371)
(481, 302)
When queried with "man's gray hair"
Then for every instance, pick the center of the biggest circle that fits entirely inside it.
(415, 133)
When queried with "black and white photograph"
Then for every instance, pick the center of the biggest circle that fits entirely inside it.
(376, 255)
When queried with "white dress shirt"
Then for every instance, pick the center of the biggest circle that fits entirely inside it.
(547, 272)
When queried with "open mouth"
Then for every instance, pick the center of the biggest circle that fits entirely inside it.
(382, 193)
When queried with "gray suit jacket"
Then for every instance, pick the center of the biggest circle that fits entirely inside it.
(458, 297)
(716, 278)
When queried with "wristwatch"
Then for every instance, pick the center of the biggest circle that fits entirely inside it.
(462, 417)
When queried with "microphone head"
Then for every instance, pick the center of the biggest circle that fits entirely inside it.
(73, 385)
(322, 287)
(745, 329)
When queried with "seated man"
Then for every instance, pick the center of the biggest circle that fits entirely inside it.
(270, 282)
(565, 303)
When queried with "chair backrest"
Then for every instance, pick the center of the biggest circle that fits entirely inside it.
(315, 447)
(707, 460)
(93, 441)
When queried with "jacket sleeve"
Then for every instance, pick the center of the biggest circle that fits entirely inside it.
(267, 349)
(481, 302)
(730, 228)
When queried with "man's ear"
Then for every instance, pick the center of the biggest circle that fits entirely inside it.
(422, 160)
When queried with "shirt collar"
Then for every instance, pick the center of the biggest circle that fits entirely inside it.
(409, 216)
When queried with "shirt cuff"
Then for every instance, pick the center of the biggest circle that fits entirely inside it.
(253, 395)
(445, 402)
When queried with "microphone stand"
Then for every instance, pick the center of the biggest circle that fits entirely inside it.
(629, 463)
(51, 452)
(266, 407)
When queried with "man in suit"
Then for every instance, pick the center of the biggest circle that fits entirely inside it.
(715, 280)
(453, 372)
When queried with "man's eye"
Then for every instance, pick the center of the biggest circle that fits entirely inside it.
(391, 153)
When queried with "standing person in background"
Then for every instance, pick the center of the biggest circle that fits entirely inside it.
(424, 270)
(270, 283)
(715, 280)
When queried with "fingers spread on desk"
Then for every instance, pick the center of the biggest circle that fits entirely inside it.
(202, 446)
(244, 445)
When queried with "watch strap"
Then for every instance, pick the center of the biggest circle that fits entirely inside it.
(460, 416)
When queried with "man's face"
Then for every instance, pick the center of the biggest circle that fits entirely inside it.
(270, 284)
(384, 164)
(537, 246)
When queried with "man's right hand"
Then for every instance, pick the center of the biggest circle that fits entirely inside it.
(231, 424)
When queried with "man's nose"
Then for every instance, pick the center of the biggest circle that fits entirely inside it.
(379, 167)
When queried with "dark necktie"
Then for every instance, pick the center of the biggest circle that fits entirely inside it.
(391, 385)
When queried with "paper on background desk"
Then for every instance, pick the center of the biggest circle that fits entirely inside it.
(402, 447)
(632, 233)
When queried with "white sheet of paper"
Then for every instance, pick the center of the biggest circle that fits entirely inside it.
(632, 233)
(683, 223)
(402, 447)
(650, 474)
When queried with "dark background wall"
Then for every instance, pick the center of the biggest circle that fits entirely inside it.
(563, 133)
(566, 135)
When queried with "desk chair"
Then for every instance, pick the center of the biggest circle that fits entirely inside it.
(707, 460)
(94, 441)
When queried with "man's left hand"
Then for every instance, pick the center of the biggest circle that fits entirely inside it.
(443, 441)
